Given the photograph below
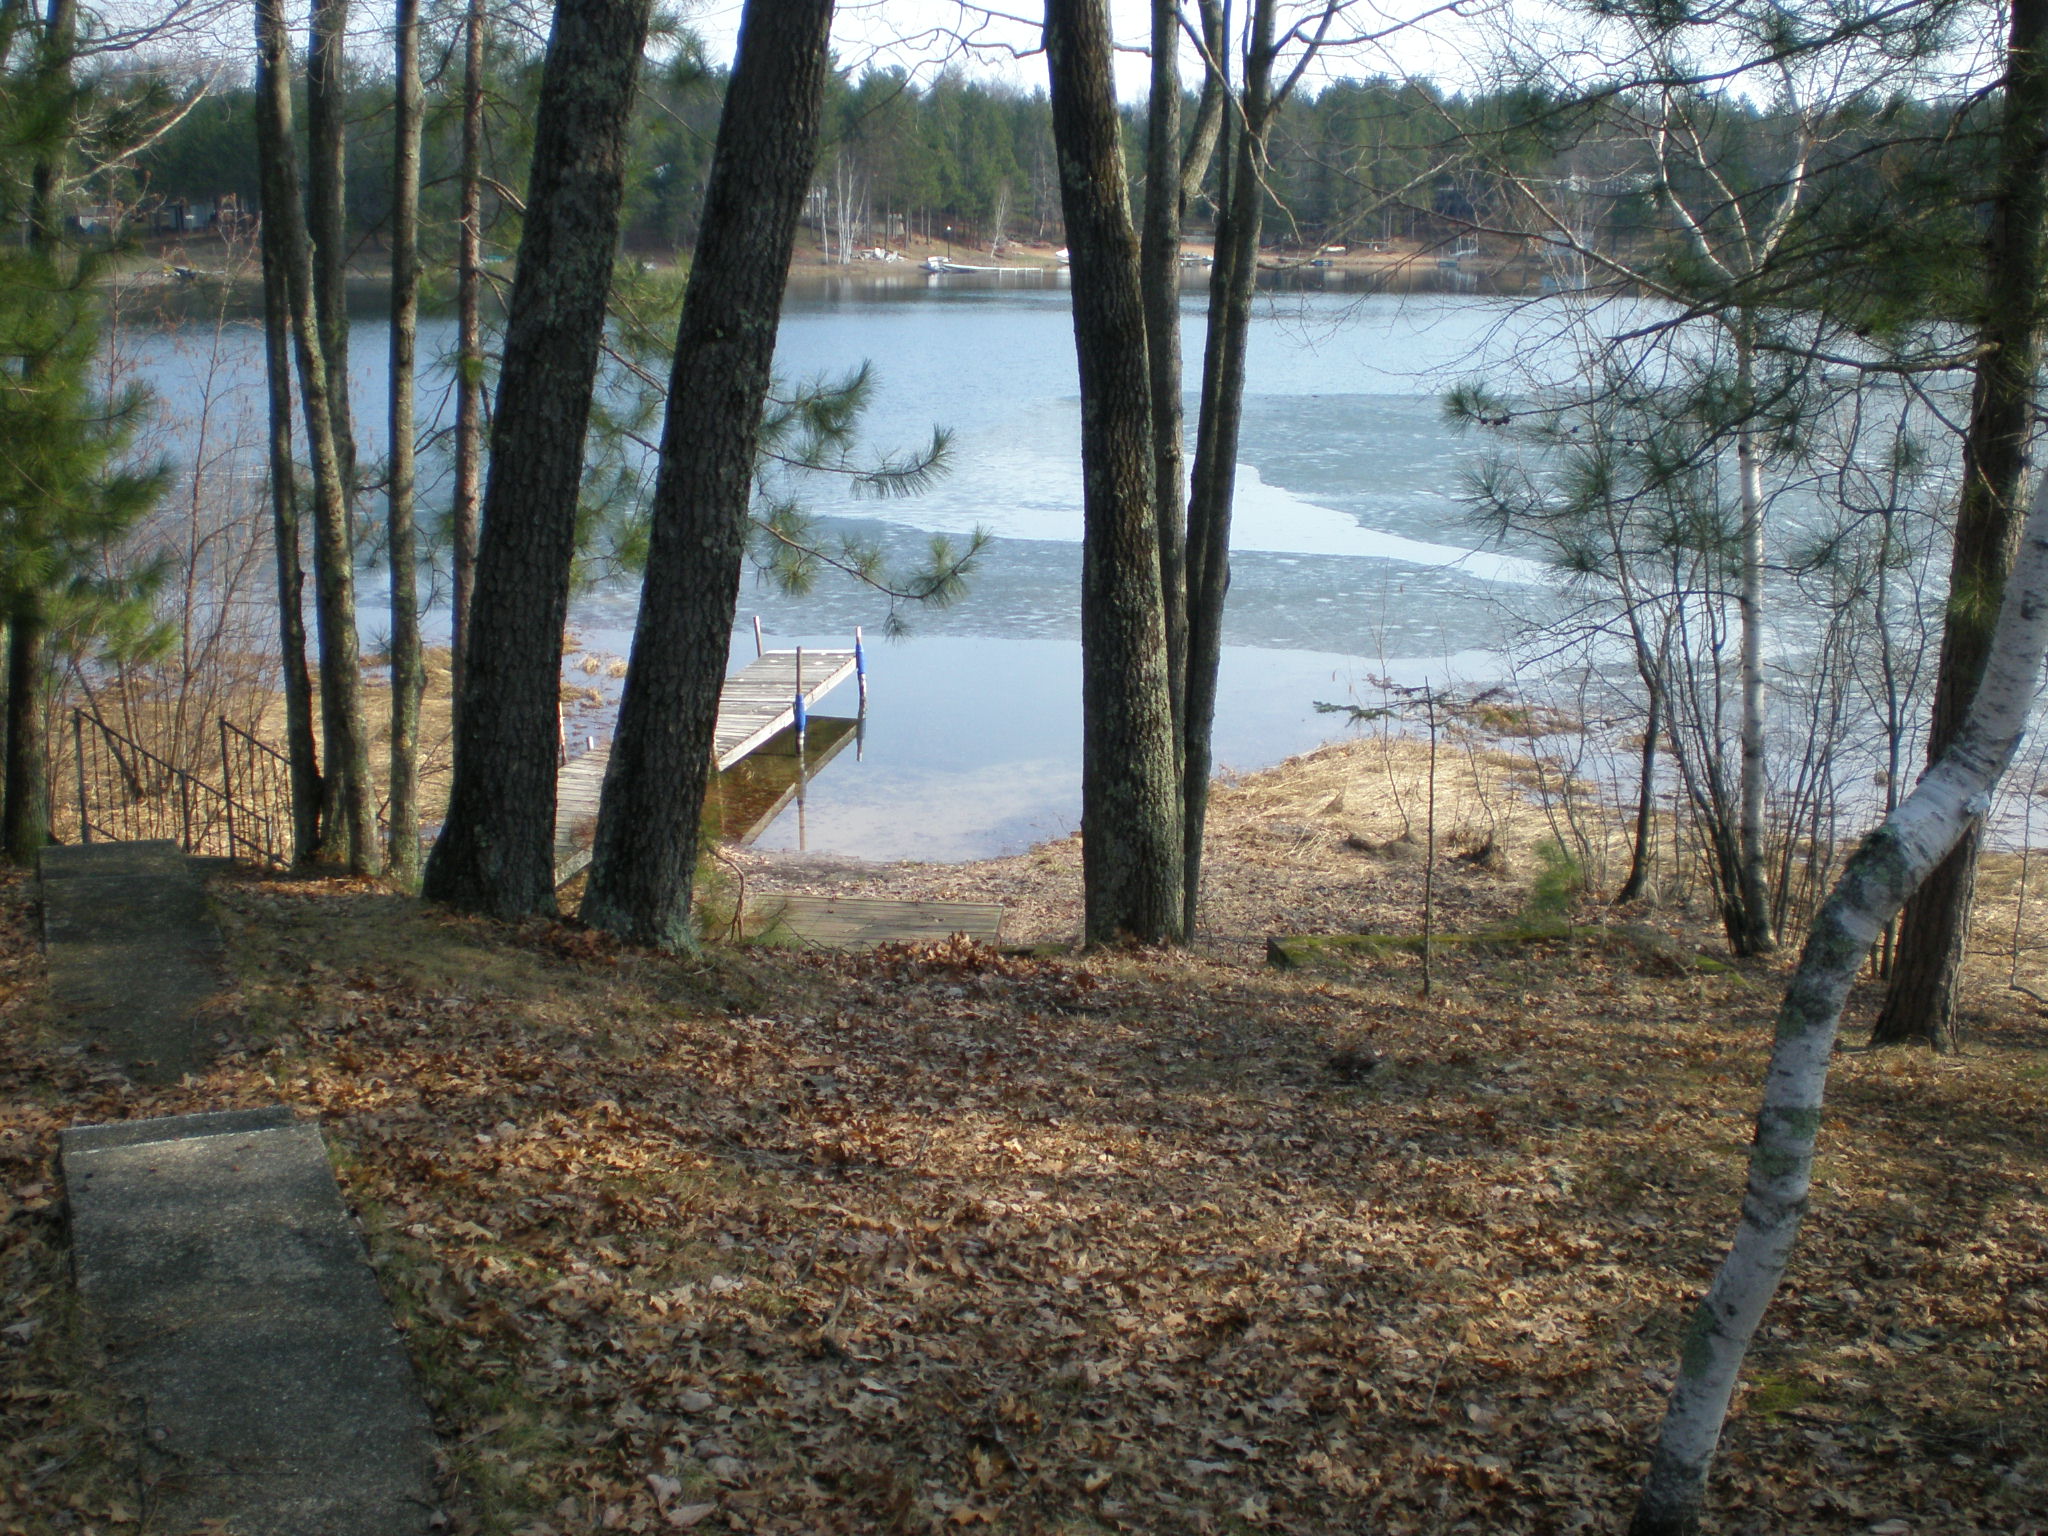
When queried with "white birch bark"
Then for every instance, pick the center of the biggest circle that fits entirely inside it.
(1874, 885)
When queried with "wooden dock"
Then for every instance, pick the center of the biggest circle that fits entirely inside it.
(760, 698)
(857, 922)
(756, 704)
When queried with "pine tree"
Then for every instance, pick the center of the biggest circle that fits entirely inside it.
(66, 492)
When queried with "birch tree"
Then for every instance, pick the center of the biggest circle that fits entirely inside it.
(1733, 315)
(1875, 883)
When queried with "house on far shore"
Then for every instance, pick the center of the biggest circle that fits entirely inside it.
(191, 215)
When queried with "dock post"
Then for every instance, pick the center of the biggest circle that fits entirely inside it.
(860, 668)
(799, 713)
(757, 636)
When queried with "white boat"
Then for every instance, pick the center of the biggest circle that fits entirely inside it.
(947, 265)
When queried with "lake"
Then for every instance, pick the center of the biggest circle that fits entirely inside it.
(1351, 558)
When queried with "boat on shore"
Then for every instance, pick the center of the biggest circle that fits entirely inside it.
(946, 265)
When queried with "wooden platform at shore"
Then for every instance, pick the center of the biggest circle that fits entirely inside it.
(756, 703)
(857, 922)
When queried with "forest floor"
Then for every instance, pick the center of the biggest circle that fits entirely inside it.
(778, 1241)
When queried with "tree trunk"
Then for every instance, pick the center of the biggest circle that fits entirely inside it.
(1877, 879)
(643, 865)
(27, 788)
(300, 748)
(496, 849)
(326, 215)
(1159, 264)
(1201, 144)
(469, 365)
(1754, 934)
(353, 822)
(1920, 1003)
(1172, 178)
(24, 778)
(1640, 859)
(1216, 437)
(1130, 808)
(408, 676)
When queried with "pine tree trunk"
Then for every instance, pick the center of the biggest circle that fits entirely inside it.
(300, 747)
(408, 676)
(645, 859)
(353, 822)
(495, 853)
(1130, 805)
(326, 215)
(1877, 879)
(1920, 1002)
(469, 365)
(26, 790)
(1216, 439)
(24, 777)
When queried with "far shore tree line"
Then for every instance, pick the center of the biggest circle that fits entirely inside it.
(1823, 230)
(1364, 161)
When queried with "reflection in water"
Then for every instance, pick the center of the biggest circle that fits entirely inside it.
(744, 800)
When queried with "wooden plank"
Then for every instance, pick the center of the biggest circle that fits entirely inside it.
(760, 699)
(854, 922)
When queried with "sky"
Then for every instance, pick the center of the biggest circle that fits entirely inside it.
(1000, 40)
(1448, 41)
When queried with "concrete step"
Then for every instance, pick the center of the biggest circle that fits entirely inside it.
(239, 1308)
(134, 954)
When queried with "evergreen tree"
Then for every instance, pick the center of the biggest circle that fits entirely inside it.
(67, 495)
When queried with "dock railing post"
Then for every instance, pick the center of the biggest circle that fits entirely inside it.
(798, 712)
(860, 668)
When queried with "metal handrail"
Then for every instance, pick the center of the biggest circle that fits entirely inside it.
(144, 795)
(266, 795)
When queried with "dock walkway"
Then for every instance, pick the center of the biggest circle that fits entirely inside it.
(756, 703)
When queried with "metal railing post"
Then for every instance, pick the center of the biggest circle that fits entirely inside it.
(78, 754)
(227, 784)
